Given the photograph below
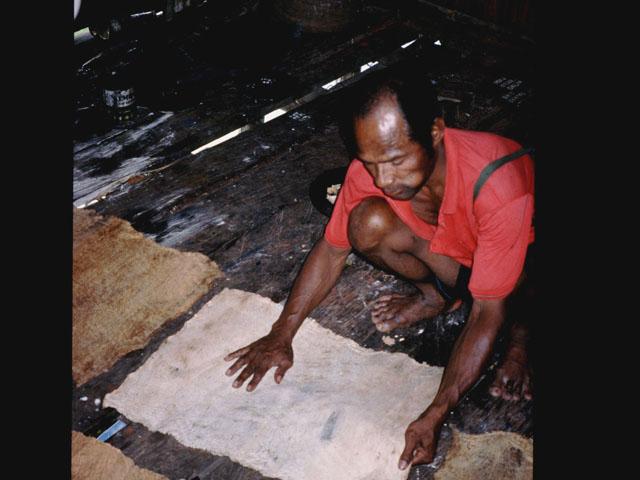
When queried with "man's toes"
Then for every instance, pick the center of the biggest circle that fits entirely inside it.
(388, 325)
(515, 388)
(380, 310)
(526, 389)
(386, 316)
(385, 310)
(379, 307)
(401, 320)
(384, 327)
(495, 391)
(382, 299)
(501, 386)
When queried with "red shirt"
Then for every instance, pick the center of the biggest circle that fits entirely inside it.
(490, 237)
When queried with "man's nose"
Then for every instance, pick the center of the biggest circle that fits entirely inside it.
(385, 176)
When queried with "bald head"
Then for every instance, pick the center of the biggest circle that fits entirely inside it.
(408, 93)
(383, 130)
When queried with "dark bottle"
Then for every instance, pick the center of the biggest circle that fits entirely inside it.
(118, 94)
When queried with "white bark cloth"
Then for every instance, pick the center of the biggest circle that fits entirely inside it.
(340, 412)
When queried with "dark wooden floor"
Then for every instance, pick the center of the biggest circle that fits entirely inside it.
(245, 203)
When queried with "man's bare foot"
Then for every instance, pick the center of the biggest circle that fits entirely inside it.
(395, 310)
(513, 377)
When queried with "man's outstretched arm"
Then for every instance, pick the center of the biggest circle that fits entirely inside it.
(318, 275)
(470, 353)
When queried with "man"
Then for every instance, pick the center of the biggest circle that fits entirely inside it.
(407, 204)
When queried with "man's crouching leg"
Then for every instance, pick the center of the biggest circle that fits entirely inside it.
(378, 234)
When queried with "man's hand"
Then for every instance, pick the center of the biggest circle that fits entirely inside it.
(266, 352)
(420, 441)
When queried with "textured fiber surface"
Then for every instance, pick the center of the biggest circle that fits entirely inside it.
(125, 286)
(92, 459)
(340, 413)
(495, 456)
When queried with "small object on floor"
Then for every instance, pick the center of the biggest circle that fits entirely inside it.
(112, 430)
(387, 340)
(318, 189)
(332, 193)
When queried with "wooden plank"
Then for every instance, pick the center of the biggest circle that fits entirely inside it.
(103, 162)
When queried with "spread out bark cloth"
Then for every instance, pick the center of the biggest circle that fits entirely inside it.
(340, 412)
(92, 459)
(125, 287)
(495, 456)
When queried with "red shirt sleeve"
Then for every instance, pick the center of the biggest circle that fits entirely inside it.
(503, 238)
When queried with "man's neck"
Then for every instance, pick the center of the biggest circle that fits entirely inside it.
(435, 183)
(426, 203)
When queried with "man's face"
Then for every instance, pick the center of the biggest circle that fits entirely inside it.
(399, 166)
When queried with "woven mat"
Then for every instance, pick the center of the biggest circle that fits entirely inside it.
(125, 287)
(495, 456)
(92, 459)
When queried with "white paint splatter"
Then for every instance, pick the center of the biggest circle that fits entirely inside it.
(86, 188)
(182, 227)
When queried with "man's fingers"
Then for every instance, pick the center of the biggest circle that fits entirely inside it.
(236, 366)
(257, 376)
(421, 455)
(280, 371)
(406, 456)
(236, 354)
(246, 373)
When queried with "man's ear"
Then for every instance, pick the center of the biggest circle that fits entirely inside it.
(437, 131)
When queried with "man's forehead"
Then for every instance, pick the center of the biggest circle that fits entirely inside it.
(384, 121)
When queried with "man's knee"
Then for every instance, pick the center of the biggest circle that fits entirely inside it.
(370, 223)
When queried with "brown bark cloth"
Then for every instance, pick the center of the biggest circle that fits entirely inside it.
(125, 286)
(495, 456)
(92, 459)
(340, 412)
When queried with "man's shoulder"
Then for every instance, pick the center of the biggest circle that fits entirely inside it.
(476, 149)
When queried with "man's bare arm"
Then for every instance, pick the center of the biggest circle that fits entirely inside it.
(470, 353)
(318, 275)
